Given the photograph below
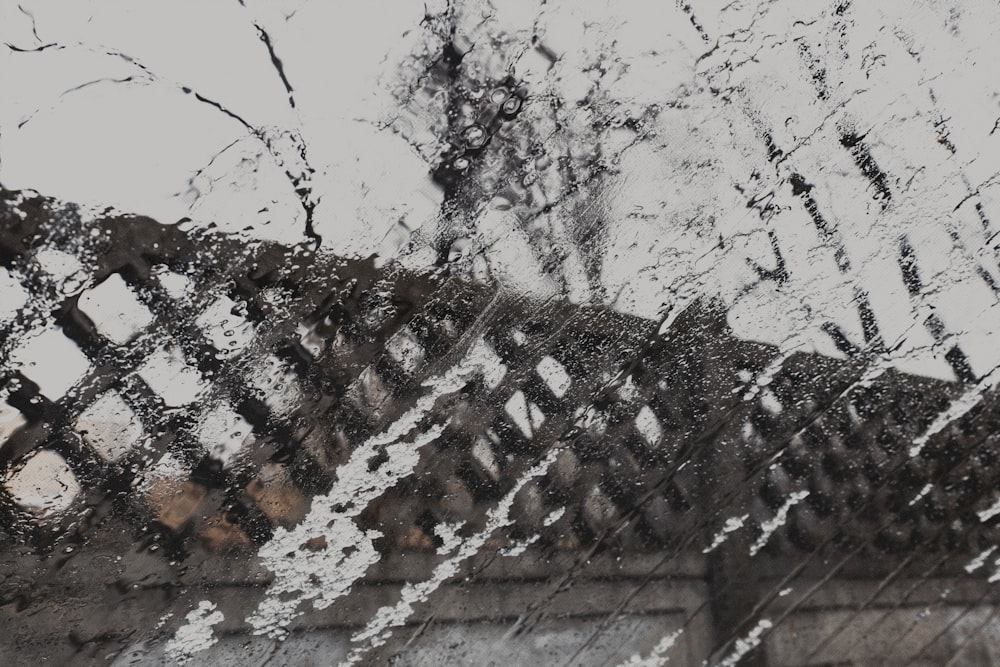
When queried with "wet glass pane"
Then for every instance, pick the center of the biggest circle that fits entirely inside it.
(471, 333)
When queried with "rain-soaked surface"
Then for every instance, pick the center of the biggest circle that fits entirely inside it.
(468, 333)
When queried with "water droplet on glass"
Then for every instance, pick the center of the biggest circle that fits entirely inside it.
(501, 203)
(460, 164)
(499, 95)
(474, 135)
(511, 106)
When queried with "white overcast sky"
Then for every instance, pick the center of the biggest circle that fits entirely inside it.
(893, 75)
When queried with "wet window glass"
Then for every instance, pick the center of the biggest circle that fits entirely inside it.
(483, 333)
